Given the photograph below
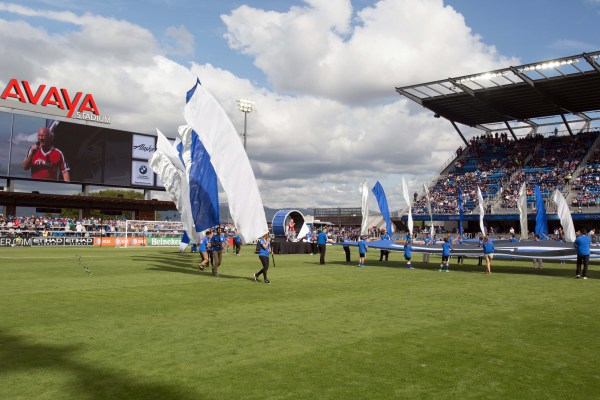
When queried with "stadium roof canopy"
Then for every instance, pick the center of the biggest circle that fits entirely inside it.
(515, 97)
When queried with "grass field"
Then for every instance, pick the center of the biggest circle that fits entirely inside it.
(146, 325)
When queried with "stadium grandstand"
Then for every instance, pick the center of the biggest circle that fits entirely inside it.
(537, 123)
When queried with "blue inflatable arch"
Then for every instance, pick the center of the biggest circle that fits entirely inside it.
(282, 218)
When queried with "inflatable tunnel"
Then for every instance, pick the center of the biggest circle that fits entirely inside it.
(281, 220)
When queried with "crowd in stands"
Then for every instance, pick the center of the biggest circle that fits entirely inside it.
(497, 164)
(588, 183)
(551, 167)
(488, 164)
(50, 226)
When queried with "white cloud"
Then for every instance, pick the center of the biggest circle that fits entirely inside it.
(180, 41)
(332, 118)
(314, 50)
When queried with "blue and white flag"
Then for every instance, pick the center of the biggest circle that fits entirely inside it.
(522, 205)
(185, 241)
(220, 139)
(541, 223)
(481, 210)
(165, 162)
(461, 211)
(432, 228)
(364, 204)
(202, 179)
(406, 195)
(383, 205)
(566, 220)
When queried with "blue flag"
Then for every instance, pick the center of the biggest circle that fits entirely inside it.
(202, 179)
(383, 205)
(461, 211)
(541, 224)
(183, 243)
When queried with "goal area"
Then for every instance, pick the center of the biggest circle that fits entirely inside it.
(152, 233)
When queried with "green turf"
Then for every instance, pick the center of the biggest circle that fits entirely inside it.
(146, 325)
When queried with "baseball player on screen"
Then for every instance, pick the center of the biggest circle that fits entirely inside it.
(46, 161)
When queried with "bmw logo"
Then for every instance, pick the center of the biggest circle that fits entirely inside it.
(143, 170)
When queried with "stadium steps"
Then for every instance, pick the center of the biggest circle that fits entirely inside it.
(568, 192)
(497, 201)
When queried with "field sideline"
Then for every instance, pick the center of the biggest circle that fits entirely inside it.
(147, 325)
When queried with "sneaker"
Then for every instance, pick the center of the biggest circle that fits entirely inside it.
(577, 276)
(447, 270)
(411, 268)
(268, 282)
(255, 278)
(585, 277)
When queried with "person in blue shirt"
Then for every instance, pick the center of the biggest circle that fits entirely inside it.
(446, 248)
(362, 252)
(321, 243)
(384, 253)
(488, 253)
(346, 248)
(216, 247)
(204, 246)
(237, 242)
(582, 245)
(408, 253)
(264, 249)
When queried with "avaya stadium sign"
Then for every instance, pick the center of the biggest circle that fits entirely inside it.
(51, 100)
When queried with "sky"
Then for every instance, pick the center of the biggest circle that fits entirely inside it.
(322, 74)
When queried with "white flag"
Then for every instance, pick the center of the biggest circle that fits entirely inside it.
(407, 200)
(432, 229)
(364, 190)
(481, 210)
(230, 161)
(166, 164)
(303, 231)
(564, 214)
(522, 205)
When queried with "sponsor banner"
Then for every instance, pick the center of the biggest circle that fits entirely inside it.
(143, 147)
(11, 242)
(120, 242)
(164, 241)
(47, 241)
(141, 174)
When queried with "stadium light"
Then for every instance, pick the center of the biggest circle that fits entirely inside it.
(245, 106)
(486, 76)
(549, 64)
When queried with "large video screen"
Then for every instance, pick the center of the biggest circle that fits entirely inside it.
(46, 149)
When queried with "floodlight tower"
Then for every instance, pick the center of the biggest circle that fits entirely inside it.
(245, 106)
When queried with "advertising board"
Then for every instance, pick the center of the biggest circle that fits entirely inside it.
(45, 149)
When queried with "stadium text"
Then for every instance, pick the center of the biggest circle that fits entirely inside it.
(80, 106)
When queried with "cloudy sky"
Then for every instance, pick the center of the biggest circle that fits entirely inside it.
(321, 72)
